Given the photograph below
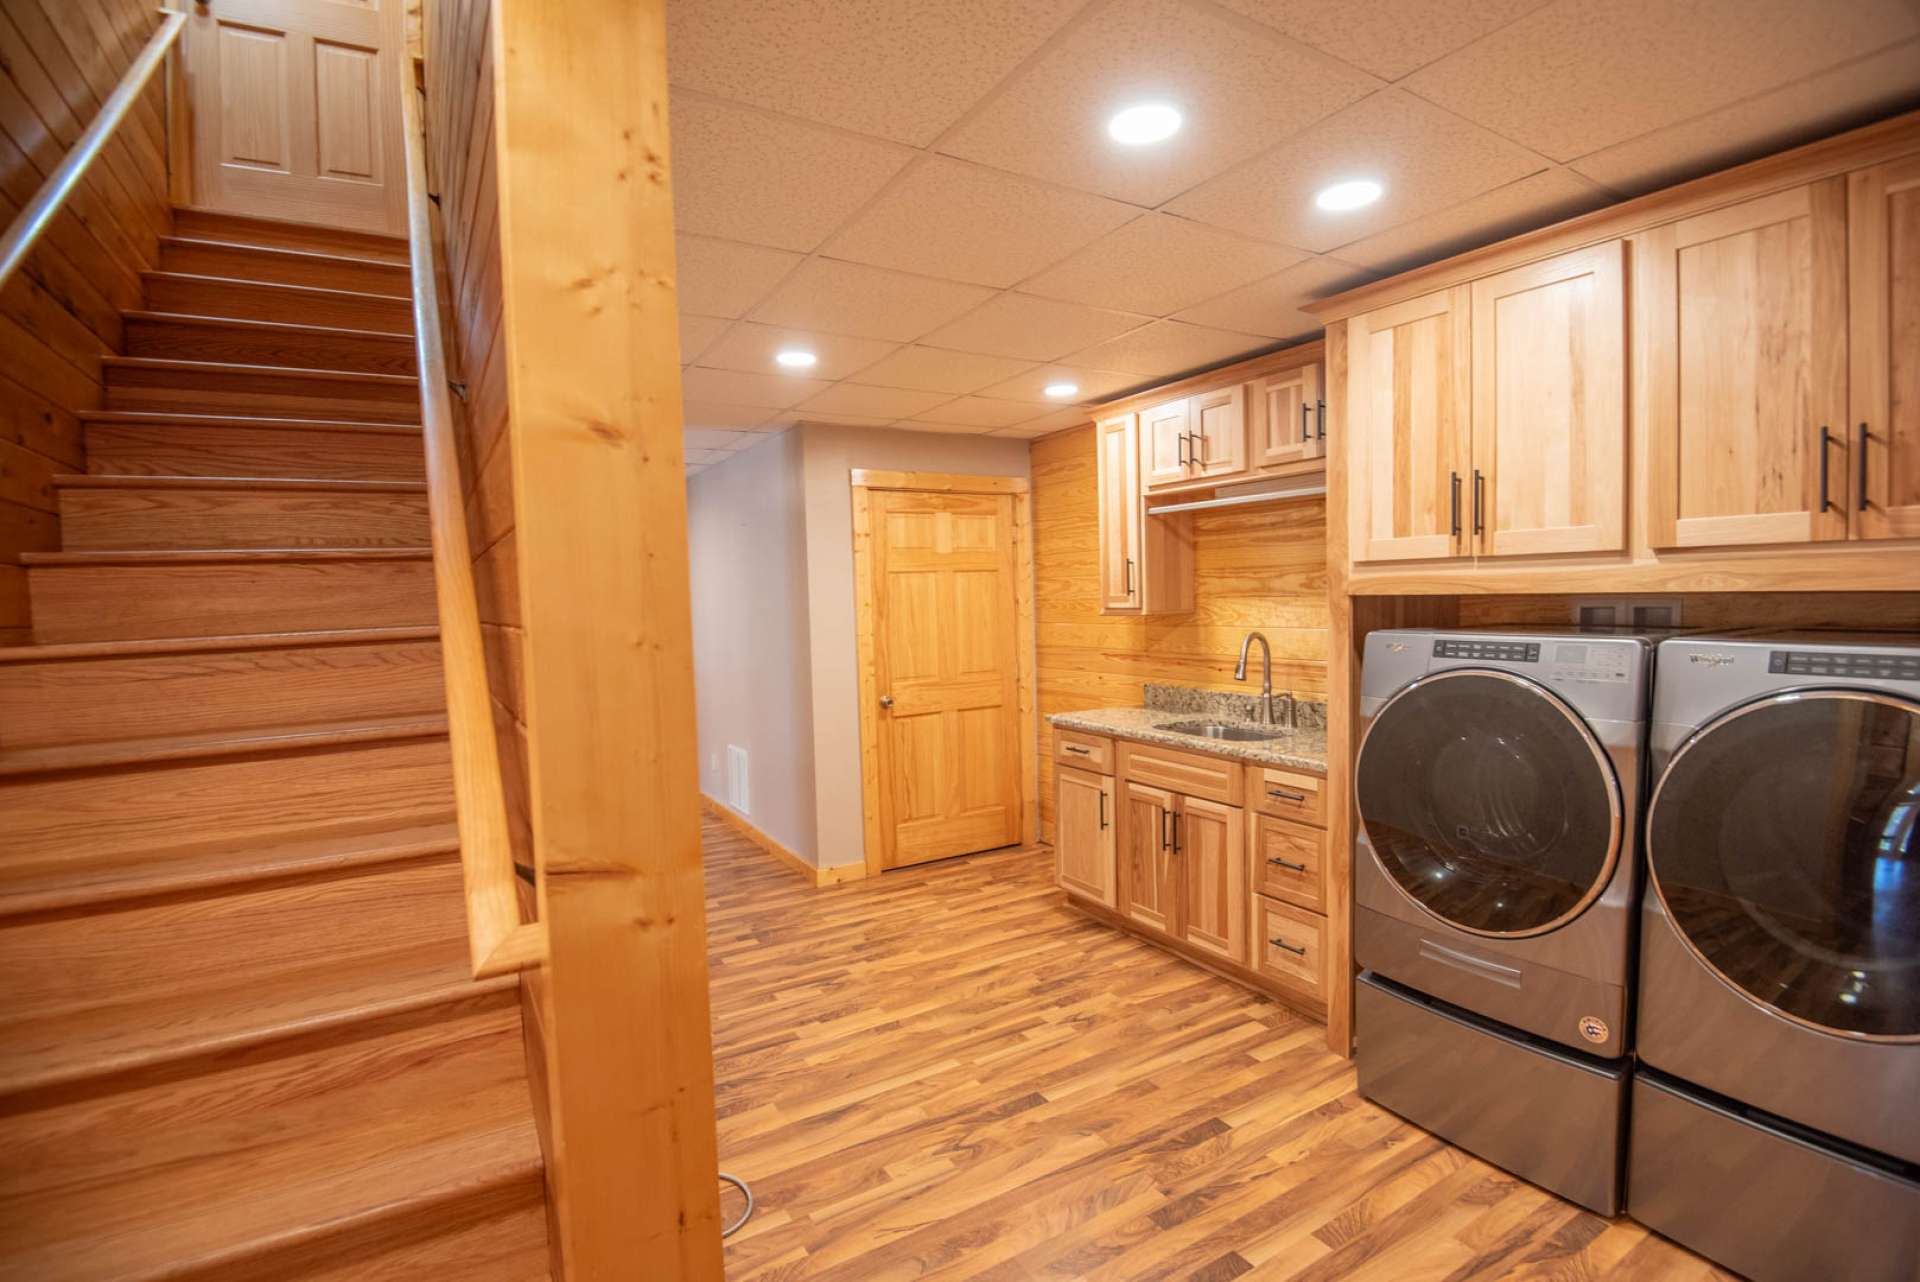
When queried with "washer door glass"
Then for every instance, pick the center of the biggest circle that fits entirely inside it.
(1782, 842)
(1489, 802)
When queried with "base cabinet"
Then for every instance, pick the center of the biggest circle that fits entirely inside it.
(1149, 885)
(1213, 877)
(1083, 842)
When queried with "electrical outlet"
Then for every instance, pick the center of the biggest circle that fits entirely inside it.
(1626, 611)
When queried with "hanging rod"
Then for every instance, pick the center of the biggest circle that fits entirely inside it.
(1237, 500)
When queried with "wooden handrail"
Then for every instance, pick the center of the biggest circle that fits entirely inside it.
(27, 225)
(497, 940)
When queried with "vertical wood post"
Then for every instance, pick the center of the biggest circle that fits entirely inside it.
(586, 230)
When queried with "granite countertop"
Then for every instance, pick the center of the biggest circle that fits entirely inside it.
(1302, 749)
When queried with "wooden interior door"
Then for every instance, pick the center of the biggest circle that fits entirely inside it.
(1746, 358)
(1118, 466)
(1883, 349)
(1083, 833)
(1550, 406)
(1408, 419)
(1213, 877)
(1219, 432)
(1293, 419)
(945, 635)
(296, 110)
(1149, 884)
(1166, 439)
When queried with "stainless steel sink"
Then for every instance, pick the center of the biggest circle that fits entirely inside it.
(1225, 730)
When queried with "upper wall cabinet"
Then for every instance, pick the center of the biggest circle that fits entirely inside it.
(1290, 424)
(1745, 314)
(1166, 436)
(1408, 412)
(1146, 563)
(1883, 224)
(1550, 406)
(1196, 440)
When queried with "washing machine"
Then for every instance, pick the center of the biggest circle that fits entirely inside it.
(1496, 874)
(1776, 1127)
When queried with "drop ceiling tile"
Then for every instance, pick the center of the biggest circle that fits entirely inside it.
(696, 334)
(978, 411)
(934, 369)
(870, 402)
(1053, 422)
(962, 222)
(738, 387)
(1158, 264)
(712, 438)
(710, 414)
(749, 175)
(1094, 384)
(1240, 87)
(866, 302)
(751, 347)
(1037, 329)
(1427, 158)
(722, 278)
(1388, 38)
(1168, 347)
(1271, 307)
(1534, 201)
(1580, 75)
(1852, 94)
(900, 71)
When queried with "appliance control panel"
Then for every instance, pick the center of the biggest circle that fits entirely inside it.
(1833, 663)
(1590, 661)
(1498, 651)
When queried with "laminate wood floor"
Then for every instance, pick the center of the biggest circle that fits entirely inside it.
(945, 1073)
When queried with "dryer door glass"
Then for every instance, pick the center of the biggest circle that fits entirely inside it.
(1782, 842)
(1489, 802)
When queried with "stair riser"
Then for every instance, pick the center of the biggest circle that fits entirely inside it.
(237, 229)
(139, 602)
(188, 340)
(242, 300)
(220, 391)
(170, 449)
(123, 813)
(53, 703)
(157, 951)
(235, 262)
(131, 519)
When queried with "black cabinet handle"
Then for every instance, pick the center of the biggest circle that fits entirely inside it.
(1864, 438)
(1077, 750)
(1479, 502)
(1826, 447)
(1454, 522)
(1284, 864)
(1197, 452)
(1103, 811)
(1281, 794)
(1175, 820)
(1166, 827)
(1281, 943)
(1129, 576)
(1323, 420)
(1181, 448)
(1306, 421)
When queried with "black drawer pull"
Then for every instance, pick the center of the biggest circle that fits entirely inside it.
(1074, 747)
(1281, 943)
(1281, 794)
(1284, 864)
(1103, 810)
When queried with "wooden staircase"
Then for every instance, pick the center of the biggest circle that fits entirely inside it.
(241, 1040)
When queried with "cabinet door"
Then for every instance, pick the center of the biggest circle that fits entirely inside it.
(1550, 406)
(1408, 376)
(1149, 891)
(1745, 333)
(1292, 418)
(1119, 464)
(1213, 877)
(1166, 433)
(1083, 834)
(1219, 432)
(1883, 221)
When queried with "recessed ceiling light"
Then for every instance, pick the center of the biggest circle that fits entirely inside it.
(1061, 391)
(1355, 193)
(796, 358)
(1148, 122)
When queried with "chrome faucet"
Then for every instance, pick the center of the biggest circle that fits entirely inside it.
(1266, 680)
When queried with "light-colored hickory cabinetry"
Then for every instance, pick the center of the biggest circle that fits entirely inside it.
(1146, 563)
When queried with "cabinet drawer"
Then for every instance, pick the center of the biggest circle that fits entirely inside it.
(1084, 751)
(1290, 947)
(1289, 794)
(1289, 862)
(1192, 774)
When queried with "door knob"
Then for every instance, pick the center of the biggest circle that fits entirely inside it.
(886, 701)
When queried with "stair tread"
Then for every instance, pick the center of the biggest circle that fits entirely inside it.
(276, 285)
(85, 756)
(77, 883)
(327, 1142)
(207, 556)
(201, 645)
(261, 371)
(227, 225)
(165, 418)
(134, 481)
(304, 255)
(266, 326)
(116, 1037)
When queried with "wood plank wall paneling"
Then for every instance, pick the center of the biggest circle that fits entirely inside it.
(1724, 611)
(460, 156)
(60, 313)
(1262, 567)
